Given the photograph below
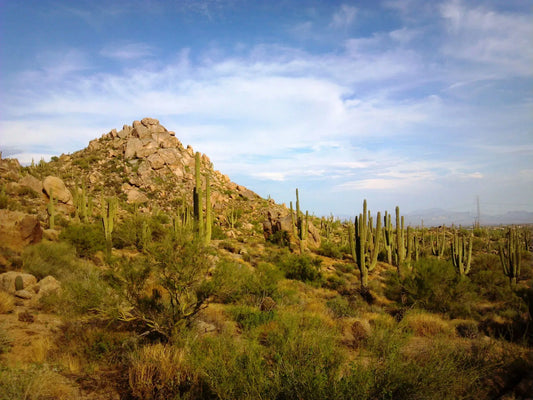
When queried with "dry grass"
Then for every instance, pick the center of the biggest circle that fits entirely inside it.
(427, 325)
(7, 303)
(157, 371)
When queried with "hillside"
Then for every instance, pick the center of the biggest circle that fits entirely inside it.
(132, 269)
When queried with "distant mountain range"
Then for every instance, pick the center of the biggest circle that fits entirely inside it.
(438, 216)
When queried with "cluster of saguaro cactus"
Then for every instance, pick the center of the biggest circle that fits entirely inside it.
(364, 241)
(326, 226)
(83, 203)
(52, 210)
(300, 223)
(510, 256)
(404, 243)
(461, 253)
(438, 242)
(204, 229)
(109, 213)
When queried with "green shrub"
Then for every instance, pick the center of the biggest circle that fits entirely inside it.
(341, 307)
(330, 249)
(301, 267)
(250, 317)
(86, 238)
(433, 285)
(49, 258)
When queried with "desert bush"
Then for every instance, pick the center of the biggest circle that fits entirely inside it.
(433, 285)
(87, 239)
(166, 289)
(234, 281)
(245, 372)
(301, 267)
(49, 258)
(341, 307)
(304, 353)
(248, 317)
(426, 324)
(330, 249)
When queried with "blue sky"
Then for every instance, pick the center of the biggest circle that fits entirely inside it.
(421, 104)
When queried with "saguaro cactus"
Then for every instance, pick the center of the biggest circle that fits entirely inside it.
(52, 210)
(438, 241)
(197, 197)
(461, 253)
(208, 211)
(364, 244)
(388, 236)
(510, 256)
(109, 213)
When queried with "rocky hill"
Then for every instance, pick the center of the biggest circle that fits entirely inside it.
(146, 168)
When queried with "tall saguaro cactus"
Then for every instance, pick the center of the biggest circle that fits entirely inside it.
(400, 241)
(109, 213)
(52, 210)
(388, 236)
(204, 229)
(208, 211)
(461, 253)
(364, 244)
(510, 256)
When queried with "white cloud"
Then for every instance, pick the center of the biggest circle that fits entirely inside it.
(502, 42)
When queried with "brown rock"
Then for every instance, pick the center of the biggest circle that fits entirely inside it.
(60, 191)
(7, 281)
(24, 294)
(149, 121)
(32, 182)
(156, 161)
(18, 230)
(132, 146)
(140, 131)
(136, 196)
(170, 156)
(149, 147)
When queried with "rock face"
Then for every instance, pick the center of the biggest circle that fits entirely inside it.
(277, 221)
(56, 186)
(18, 230)
(10, 168)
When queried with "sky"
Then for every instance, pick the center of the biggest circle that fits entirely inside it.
(415, 103)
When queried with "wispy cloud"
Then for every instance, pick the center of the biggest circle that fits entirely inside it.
(343, 17)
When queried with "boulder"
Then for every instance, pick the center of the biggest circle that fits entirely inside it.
(24, 294)
(140, 130)
(57, 186)
(149, 147)
(149, 121)
(32, 183)
(136, 196)
(156, 161)
(132, 146)
(170, 156)
(45, 286)
(17, 230)
(7, 281)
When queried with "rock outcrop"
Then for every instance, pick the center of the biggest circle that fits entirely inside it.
(18, 229)
(53, 185)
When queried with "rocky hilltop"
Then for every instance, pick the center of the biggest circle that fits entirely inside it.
(146, 167)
